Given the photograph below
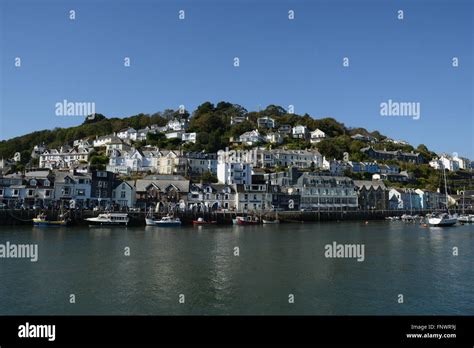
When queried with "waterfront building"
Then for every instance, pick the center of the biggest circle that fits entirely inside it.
(102, 184)
(123, 194)
(372, 194)
(72, 189)
(324, 192)
(39, 189)
(208, 197)
(406, 199)
(251, 197)
(12, 190)
(169, 191)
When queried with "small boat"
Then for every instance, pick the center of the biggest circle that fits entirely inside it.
(41, 220)
(201, 221)
(246, 221)
(276, 221)
(444, 219)
(165, 221)
(466, 218)
(112, 219)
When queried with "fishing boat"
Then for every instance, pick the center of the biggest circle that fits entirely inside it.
(443, 219)
(42, 220)
(165, 221)
(200, 221)
(112, 219)
(247, 220)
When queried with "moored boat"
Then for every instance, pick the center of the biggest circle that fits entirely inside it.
(466, 218)
(41, 220)
(247, 220)
(201, 221)
(444, 219)
(165, 221)
(276, 221)
(112, 219)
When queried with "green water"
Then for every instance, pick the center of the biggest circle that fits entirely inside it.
(274, 261)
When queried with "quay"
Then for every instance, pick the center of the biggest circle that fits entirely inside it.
(12, 217)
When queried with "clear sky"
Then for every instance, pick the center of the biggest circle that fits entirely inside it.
(282, 61)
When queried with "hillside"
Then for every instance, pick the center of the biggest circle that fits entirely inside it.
(212, 123)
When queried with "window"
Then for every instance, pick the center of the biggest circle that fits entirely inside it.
(80, 192)
(47, 193)
(31, 192)
(1, 192)
(123, 194)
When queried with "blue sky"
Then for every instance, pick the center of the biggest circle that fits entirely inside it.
(282, 62)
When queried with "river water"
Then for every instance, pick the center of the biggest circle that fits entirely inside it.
(275, 265)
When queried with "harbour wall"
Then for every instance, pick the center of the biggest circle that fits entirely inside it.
(11, 217)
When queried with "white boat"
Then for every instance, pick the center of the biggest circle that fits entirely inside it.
(276, 221)
(166, 221)
(113, 219)
(466, 218)
(444, 219)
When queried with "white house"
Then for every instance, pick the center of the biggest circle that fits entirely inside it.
(316, 136)
(300, 132)
(124, 194)
(104, 140)
(251, 138)
(127, 133)
(64, 157)
(177, 125)
(234, 173)
(250, 197)
(274, 138)
(444, 161)
(188, 137)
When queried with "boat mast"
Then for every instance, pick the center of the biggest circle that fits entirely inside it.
(445, 188)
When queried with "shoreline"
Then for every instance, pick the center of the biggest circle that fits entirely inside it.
(13, 217)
